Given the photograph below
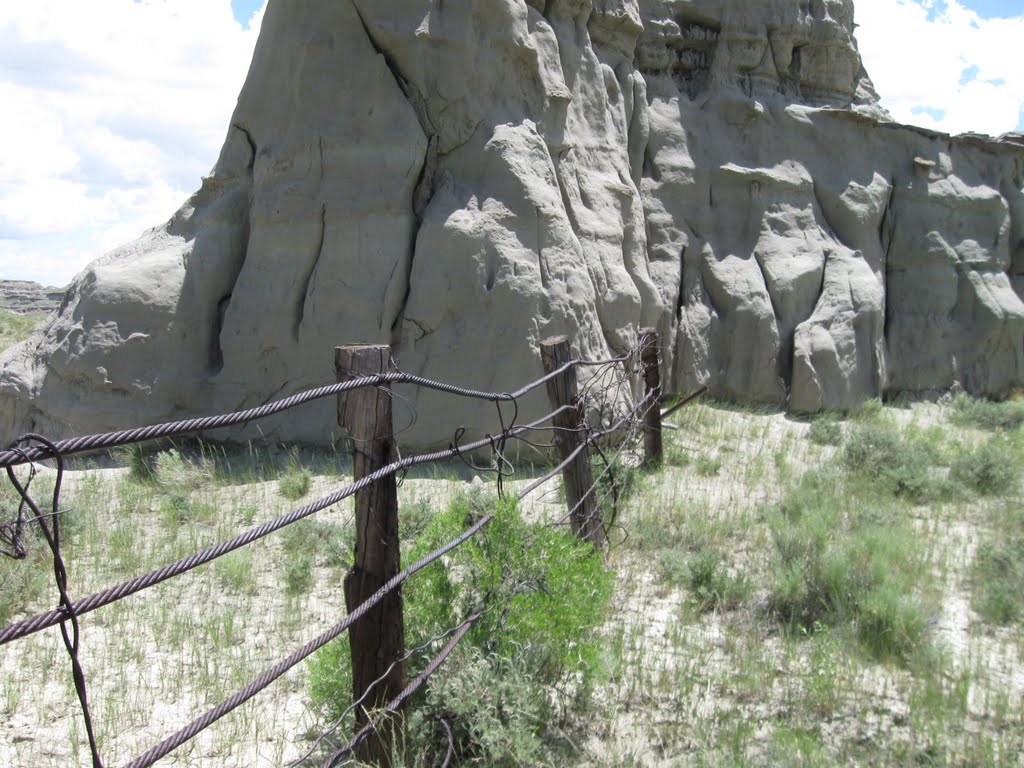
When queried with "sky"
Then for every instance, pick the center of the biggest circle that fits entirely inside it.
(115, 109)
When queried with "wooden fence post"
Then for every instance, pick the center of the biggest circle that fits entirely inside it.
(577, 476)
(378, 639)
(651, 362)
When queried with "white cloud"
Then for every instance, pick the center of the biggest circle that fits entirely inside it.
(114, 109)
(940, 65)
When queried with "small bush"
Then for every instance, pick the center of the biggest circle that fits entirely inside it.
(615, 482)
(547, 592)
(825, 431)
(234, 571)
(298, 574)
(877, 453)
(845, 565)
(327, 544)
(708, 466)
(140, 467)
(296, 481)
(998, 573)
(710, 585)
(988, 469)
(178, 473)
(413, 519)
(986, 414)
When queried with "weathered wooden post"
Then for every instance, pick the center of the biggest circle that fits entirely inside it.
(569, 433)
(651, 362)
(377, 639)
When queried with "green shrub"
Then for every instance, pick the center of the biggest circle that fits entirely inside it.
(413, 519)
(25, 583)
(298, 574)
(710, 584)
(708, 466)
(615, 480)
(234, 571)
(139, 463)
(178, 473)
(986, 414)
(998, 572)
(324, 543)
(296, 480)
(825, 431)
(877, 453)
(546, 593)
(841, 564)
(989, 469)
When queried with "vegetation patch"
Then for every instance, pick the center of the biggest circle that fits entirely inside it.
(825, 430)
(531, 657)
(16, 327)
(998, 572)
(296, 480)
(877, 453)
(988, 469)
(846, 561)
(987, 414)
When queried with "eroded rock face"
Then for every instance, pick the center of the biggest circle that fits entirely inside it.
(463, 180)
(26, 297)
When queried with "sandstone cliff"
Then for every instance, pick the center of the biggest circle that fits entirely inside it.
(464, 179)
(26, 297)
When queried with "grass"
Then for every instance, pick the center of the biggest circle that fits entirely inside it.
(998, 571)
(988, 415)
(296, 480)
(16, 327)
(785, 594)
(849, 542)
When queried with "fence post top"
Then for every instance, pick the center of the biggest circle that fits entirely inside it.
(363, 345)
(555, 340)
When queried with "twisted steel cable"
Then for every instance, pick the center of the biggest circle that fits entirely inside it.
(70, 611)
(99, 599)
(200, 724)
(51, 532)
(410, 689)
(76, 445)
(369, 689)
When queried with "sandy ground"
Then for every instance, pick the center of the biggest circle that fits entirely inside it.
(148, 675)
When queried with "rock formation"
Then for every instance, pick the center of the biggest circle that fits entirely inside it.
(26, 297)
(464, 179)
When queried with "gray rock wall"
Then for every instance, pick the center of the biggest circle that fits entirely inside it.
(466, 179)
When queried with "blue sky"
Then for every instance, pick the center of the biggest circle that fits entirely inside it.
(117, 108)
(244, 9)
(951, 65)
(988, 9)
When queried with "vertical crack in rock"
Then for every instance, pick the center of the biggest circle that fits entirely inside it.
(885, 236)
(252, 143)
(425, 185)
(216, 356)
(307, 281)
(681, 293)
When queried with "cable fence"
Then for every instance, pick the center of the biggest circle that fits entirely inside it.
(604, 414)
